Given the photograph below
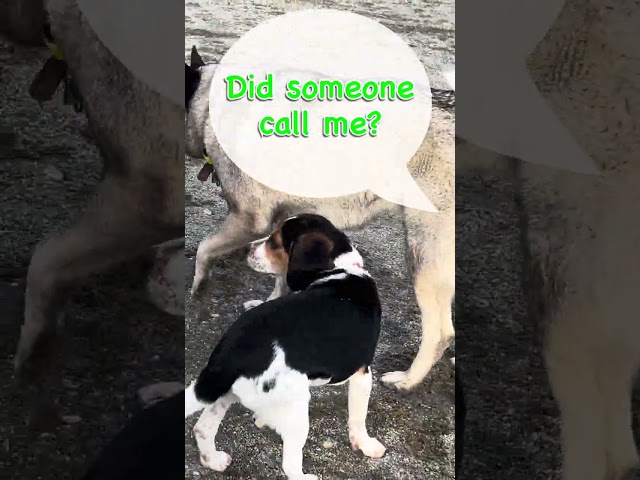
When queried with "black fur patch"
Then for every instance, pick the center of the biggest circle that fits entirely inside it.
(314, 257)
(269, 385)
(308, 223)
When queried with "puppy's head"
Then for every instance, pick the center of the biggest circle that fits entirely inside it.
(301, 247)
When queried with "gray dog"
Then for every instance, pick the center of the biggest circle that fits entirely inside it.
(138, 204)
(255, 208)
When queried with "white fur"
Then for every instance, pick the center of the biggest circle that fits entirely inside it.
(352, 263)
(335, 276)
(284, 408)
(250, 390)
(359, 393)
(206, 430)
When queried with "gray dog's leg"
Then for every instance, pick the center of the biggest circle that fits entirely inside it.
(236, 232)
(279, 289)
(431, 255)
(110, 231)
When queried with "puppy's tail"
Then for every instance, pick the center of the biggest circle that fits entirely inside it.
(191, 402)
(212, 384)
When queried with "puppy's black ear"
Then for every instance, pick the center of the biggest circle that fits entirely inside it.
(196, 59)
(191, 83)
(309, 255)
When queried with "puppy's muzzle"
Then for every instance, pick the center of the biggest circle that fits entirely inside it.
(256, 257)
(252, 252)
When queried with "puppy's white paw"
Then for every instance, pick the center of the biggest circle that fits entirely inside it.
(370, 446)
(217, 461)
(259, 422)
(400, 380)
(252, 303)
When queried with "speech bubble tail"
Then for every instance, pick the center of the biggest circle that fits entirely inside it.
(398, 186)
(450, 77)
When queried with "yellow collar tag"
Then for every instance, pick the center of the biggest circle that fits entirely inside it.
(55, 50)
(208, 159)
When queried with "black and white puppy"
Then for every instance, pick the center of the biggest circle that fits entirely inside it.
(269, 358)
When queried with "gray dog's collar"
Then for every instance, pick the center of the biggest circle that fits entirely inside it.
(207, 171)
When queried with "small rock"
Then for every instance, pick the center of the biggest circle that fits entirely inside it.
(214, 315)
(208, 212)
(196, 474)
(327, 444)
(71, 419)
(53, 173)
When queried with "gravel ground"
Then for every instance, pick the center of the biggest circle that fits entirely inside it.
(417, 429)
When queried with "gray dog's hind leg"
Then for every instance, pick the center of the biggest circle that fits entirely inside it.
(236, 231)
(110, 231)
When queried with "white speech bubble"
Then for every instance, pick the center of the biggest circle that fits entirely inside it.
(315, 46)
